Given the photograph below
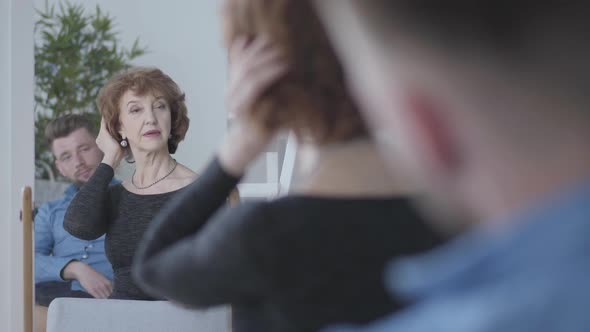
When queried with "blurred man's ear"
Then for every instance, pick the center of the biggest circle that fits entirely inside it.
(432, 132)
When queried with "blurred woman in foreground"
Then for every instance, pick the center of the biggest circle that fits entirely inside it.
(316, 256)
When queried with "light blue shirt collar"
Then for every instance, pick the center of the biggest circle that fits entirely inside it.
(548, 232)
(70, 191)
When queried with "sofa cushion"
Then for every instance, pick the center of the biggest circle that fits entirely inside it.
(93, 315)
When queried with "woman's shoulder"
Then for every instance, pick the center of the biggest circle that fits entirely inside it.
(183, 170)
(184, 175)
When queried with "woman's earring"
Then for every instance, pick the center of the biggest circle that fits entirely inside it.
(124, 143)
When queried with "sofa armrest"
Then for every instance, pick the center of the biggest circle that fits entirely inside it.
(93, 315)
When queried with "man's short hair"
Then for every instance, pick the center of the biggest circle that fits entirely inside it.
(67, 124)
(490, 24)
(543, 42)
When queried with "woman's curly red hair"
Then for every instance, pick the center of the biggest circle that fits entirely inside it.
(141, 81)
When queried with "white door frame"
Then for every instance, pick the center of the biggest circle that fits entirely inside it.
(278, 182)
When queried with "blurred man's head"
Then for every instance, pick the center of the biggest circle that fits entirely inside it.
(72, 139)
(486, 101)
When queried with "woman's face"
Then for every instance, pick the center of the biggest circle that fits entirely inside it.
(145, 121)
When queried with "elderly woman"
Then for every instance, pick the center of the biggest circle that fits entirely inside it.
(316, 256)
(144, 117)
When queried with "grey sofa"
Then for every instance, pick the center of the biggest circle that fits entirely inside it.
(92, 315)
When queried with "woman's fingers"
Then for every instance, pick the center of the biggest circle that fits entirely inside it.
(253, 49)
(264, 58)
(242, 99)
(244, 55)
(113, 153)
(252, 71)
(254, 76)
(237, 47)
(263, 78)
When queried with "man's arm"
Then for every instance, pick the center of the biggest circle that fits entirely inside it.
(47, 267)
(93, 281)
(52, 268)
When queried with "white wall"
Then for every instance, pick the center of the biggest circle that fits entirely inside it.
(4, 166)
(16, 149)
(184, 39)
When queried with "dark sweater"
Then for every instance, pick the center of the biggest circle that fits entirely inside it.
(124, 216)
(294, 264)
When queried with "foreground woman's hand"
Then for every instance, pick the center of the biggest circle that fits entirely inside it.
(113, 153)
(254, 68)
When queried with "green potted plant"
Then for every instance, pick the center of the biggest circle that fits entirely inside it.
(75, 53)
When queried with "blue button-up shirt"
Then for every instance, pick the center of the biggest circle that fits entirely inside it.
(531, 276)
(54, 247)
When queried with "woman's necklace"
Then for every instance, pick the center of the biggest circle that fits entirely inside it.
(158, 180)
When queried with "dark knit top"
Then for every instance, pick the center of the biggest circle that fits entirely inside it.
(124, 216)
(293, 264)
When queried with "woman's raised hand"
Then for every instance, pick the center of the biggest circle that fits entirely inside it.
(254, 67)
(113, 152)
